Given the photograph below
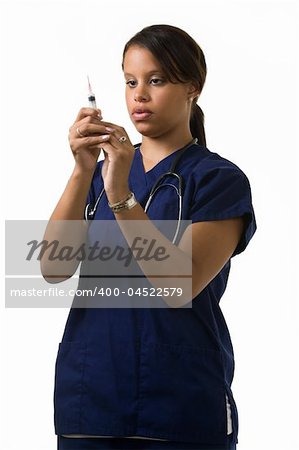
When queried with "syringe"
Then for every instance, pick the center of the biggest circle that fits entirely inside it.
(91, 97)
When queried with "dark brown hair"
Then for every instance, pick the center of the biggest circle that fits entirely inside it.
(181, 59)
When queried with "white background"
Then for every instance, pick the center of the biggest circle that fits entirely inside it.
(250, 101)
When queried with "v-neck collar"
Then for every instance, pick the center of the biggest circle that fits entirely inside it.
(159, 164)
(149, 177)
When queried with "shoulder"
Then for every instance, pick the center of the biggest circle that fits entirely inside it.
(205, 167)
(217, 186)
(220, 190)
(205, 160)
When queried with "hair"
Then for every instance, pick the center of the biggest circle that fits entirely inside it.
(181, 59)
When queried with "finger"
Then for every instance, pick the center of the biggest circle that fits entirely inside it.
(96, 127)
(116, 127)
(91, 141)
(91, 127)
(84, 112)
(109, 146)
(88, 126)
(120, 130)
(115, 147)
(95, 148)
(117, 139)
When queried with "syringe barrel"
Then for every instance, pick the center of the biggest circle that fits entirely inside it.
(92, 101)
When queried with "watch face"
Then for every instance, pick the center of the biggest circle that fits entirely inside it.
(131, 202)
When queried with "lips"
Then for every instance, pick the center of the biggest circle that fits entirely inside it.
(141, 113)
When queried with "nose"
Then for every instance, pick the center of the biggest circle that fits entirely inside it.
(140, 94)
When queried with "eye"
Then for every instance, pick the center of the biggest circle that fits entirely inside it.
(156, 81)
(131, 83)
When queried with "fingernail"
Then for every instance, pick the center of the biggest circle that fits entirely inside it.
(99, 117)
(109, 129)
(105, 136)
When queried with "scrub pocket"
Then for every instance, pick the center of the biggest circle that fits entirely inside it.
(182, 393)
(69, 370)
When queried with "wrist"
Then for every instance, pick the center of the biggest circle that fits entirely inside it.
(118, 196)
(127, 202)
(80, 172)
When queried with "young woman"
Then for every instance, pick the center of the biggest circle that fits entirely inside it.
(154, 378)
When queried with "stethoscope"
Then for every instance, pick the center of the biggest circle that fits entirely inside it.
(90, 212)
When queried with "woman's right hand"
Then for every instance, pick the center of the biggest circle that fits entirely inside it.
(85, 138)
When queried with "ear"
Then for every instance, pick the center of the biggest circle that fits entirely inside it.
(192, 91)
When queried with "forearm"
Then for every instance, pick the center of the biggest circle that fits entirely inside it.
(72, 203)
(66, 229)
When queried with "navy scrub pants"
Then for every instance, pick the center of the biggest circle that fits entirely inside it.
(129, 444)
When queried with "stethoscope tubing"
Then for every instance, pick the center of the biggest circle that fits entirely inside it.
(89, 213)
(158, 184)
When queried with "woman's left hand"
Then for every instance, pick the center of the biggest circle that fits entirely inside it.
(119, 154)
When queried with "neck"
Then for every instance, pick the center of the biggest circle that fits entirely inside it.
(155, 149)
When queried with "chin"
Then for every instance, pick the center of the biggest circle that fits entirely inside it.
(148, 131)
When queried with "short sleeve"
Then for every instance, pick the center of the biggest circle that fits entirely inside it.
(223, 192)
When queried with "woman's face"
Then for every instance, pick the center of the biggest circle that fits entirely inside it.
(156, 106)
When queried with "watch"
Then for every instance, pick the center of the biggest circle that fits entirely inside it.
(128, 203)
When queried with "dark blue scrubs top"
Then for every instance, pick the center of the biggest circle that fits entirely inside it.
(158, 372)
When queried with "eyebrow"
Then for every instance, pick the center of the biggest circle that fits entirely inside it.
(148, 73)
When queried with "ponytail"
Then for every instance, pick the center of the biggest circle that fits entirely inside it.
(197, 125)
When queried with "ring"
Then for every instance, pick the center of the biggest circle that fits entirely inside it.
(122, 139)
(79, 133)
